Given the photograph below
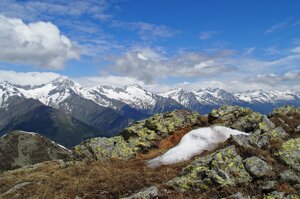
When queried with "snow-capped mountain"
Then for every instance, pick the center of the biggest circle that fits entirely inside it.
(133, 95)
(274, 97)
(62, 106)
(203, 100)
(52, 94)
(58, 94)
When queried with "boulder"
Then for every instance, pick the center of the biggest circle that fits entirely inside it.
(290, 176)
(222, 168)
(240, 118)
(289, 153)
(147, 193)
(257, 167)
(268, 186)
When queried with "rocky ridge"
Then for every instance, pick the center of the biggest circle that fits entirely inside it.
(264, 164)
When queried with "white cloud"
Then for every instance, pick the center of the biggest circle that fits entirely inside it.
(27, 78)
(263, 82)
(288, 23)
(205, 35)
(33, 10)
(147, 31)
(155, 65)
(118, 81)
(40, 44)
(274, 79)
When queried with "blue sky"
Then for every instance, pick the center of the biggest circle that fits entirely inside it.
(232, 44)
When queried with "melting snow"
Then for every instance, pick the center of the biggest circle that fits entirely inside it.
(193, 143)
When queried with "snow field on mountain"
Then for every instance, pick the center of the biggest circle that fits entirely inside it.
(194, 143)
(59, 90)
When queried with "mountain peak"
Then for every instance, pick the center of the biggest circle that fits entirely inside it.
(135, 86)
(62, 80)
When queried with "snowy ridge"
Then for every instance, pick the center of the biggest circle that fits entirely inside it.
(133, 95)
(6, 92)
(221, 97)
(57, 92)
(267, 96)
(203, 96)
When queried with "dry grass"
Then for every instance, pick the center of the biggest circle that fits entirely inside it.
(288, 122)
(165, 144)
(91, 179)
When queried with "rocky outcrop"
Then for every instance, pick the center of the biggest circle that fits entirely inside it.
(257, 158)
(138, 138)
(224, 167)
(20, 148)
(289, 153)
(240, 118)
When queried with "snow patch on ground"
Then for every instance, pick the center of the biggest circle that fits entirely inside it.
(31, 133)
(194, 143)
(60, 146)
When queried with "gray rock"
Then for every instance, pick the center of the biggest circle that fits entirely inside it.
(297, 129)
(276, 194)
(219, 168)
(290, 176)
(147, 193)
(257, 167)
(268, 186)
(289, 153)
(238, 195)
(241, 140)
(297, 187)
(240, 118)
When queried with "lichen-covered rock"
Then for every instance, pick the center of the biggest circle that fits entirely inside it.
(138, 138)
(147, 193)
(105, 148)
(257, 167)
(19, 148)
(290, 176)
(224, 167)
(280, 195)
(261, 138)
(161, 125)
(289, 153)
(240, 118)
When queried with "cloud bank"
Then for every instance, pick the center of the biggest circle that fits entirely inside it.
(148, 65)
(40, 44)
(27, 78)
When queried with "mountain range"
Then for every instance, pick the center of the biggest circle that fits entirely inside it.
(69, 113)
